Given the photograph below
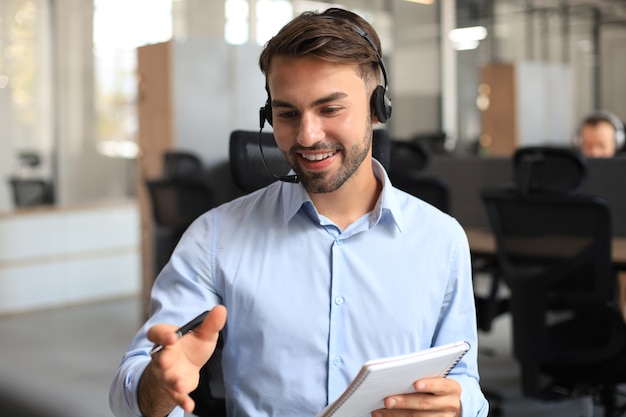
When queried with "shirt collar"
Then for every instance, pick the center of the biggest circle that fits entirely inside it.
(387, 208)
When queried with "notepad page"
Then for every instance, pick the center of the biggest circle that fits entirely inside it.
(381, 378)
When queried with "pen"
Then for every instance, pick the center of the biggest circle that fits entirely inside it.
(184, 329)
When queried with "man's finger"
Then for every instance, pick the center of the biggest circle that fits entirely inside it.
(213, 323)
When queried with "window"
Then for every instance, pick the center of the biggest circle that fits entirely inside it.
(25, 87)
(270, 16)
(120, 26)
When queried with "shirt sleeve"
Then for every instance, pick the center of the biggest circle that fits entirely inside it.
(458, 322)
(183, 282)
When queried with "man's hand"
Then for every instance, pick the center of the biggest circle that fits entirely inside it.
(433, 396)
(174, 371)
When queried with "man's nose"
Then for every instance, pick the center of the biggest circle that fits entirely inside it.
(310, 130)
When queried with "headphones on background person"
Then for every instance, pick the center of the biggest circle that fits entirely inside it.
(380, 101)
(603, 115)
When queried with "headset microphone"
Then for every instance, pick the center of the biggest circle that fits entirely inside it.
(284, 178)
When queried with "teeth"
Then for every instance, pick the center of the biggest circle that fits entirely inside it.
(317, 157)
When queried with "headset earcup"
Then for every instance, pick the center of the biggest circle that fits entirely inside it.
(381, 104)
(619, 136)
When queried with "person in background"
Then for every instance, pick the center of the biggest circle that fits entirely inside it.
(601, 135)
(319, 273)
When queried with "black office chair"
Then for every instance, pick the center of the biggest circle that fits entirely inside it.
(31, 192)
(554, 254)
(249, 172)
(549, 170)
(176, 203)
(208, 397)
(536, 170)
(409, 162)
(179, 163)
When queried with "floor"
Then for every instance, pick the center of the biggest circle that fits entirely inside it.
(60, 362)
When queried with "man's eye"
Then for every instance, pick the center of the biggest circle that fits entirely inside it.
(330, 110)
(286, 114)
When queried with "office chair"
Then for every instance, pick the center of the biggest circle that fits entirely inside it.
(554, 254)
(176, 203)
(249, 172)
(178, 163)
(536, 170)
(409, 162)
(549, 170)
(31, 192)
(209, 396)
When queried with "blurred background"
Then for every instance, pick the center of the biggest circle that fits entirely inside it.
(94, 93)
(69, 82)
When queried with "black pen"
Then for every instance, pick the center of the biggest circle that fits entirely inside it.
(183, 330)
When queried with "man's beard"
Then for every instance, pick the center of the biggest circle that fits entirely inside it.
(326, 182)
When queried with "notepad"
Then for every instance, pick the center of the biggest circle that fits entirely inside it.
(381, 378)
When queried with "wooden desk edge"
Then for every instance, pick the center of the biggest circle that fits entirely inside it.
(482, 242)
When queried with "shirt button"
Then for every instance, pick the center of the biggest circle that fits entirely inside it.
(339, 242)
(339, 300)
(337, 361)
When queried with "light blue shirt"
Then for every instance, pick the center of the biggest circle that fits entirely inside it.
(309, 303)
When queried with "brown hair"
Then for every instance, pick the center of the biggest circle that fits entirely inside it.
(336, 35)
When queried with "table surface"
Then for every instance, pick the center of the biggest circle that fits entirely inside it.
(482, 242)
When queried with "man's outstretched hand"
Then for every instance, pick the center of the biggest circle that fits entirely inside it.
(174, 371)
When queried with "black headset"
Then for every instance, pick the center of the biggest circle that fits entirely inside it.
(380, 101)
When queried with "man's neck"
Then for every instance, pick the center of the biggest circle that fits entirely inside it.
(356, 197)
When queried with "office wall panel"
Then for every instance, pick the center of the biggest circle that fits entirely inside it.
(201, 96)
(530, 103)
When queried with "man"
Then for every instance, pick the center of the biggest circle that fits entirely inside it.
(601, 135)
(317, 277)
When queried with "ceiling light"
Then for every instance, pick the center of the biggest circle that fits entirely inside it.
(467, 38)
(421, 1)
(474, 33)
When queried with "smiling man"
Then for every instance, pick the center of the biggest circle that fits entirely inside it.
(319, 276)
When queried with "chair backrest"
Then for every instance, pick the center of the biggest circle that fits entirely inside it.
(409, 163)
(31, 192)
(408, 157)
(177, 202)
(381, 147)
(246, 164)
(433, 190)
(554, 253)
(177, 163)
(549, 170)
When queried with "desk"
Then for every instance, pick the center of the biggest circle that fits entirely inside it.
(72, 254)
(482, 242)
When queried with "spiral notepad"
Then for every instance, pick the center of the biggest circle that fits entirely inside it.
(381, 378)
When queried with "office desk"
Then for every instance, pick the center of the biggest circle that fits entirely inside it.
(482, 242)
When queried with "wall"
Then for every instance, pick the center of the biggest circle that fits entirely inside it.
(216, 89)
(415, 68)
(613, 72)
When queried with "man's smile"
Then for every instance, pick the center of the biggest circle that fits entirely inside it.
(317, 157)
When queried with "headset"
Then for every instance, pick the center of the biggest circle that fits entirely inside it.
(609, 117)
(380, 101)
